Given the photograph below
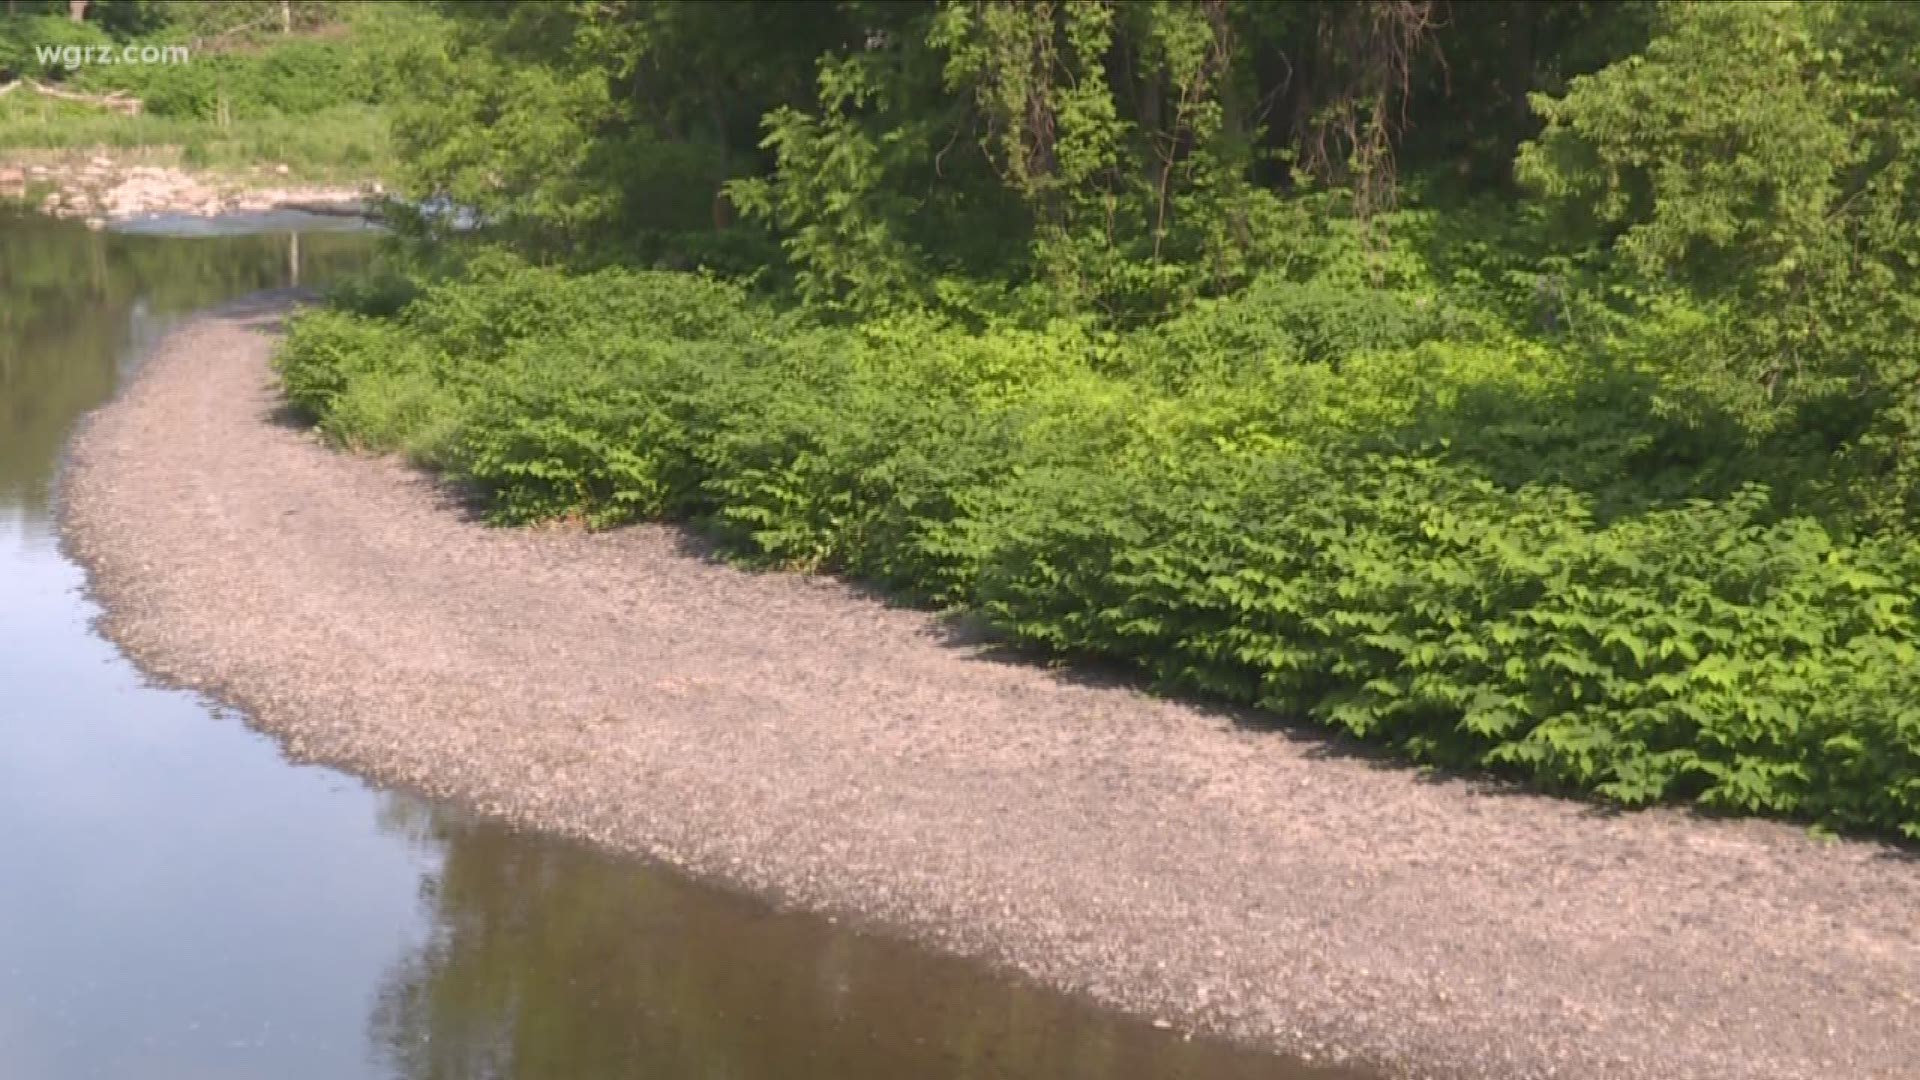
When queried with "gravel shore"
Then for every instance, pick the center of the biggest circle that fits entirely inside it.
(796, 737)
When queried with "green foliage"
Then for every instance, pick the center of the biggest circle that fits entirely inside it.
(1755, 171)
(605, 132)
(838, 198)
(22, 37)
(1399, 533)
(1129, 215)
(334, 348)
(340, 144)
(1692, 653)
(248, 94)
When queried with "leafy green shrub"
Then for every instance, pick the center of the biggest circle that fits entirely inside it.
(22, 38)
(1424, 541)
(1752, 177)
(297, 77)
(1691, 653)
(554, 431)
(381, 292)
(326, 351)
(399, 408)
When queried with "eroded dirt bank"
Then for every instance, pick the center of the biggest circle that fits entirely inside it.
(795, 737)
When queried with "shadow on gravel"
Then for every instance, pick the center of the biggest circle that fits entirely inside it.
(972, 635)
(286, 416)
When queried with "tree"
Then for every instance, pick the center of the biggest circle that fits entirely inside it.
(1755, 171)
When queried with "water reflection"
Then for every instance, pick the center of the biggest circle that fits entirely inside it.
(548, 960)
(75, 304)
(177, 901)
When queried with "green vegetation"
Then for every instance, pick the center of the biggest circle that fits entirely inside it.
(344, 144)
(302, 84)
(1556, 417)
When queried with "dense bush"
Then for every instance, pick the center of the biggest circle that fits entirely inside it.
(1689, 653)
(299, 77)
(23, 38)
(1356, 542)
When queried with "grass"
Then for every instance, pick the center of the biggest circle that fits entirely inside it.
(341, 145)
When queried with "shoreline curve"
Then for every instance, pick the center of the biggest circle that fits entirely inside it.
(796, 738)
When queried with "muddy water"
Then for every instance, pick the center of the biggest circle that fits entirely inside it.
(179, 901)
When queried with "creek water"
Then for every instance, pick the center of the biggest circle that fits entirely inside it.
(178, 900)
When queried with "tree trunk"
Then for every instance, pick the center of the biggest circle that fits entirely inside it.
(286, 16)
(1519, 80)
(1520, 30)
(77, 10)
